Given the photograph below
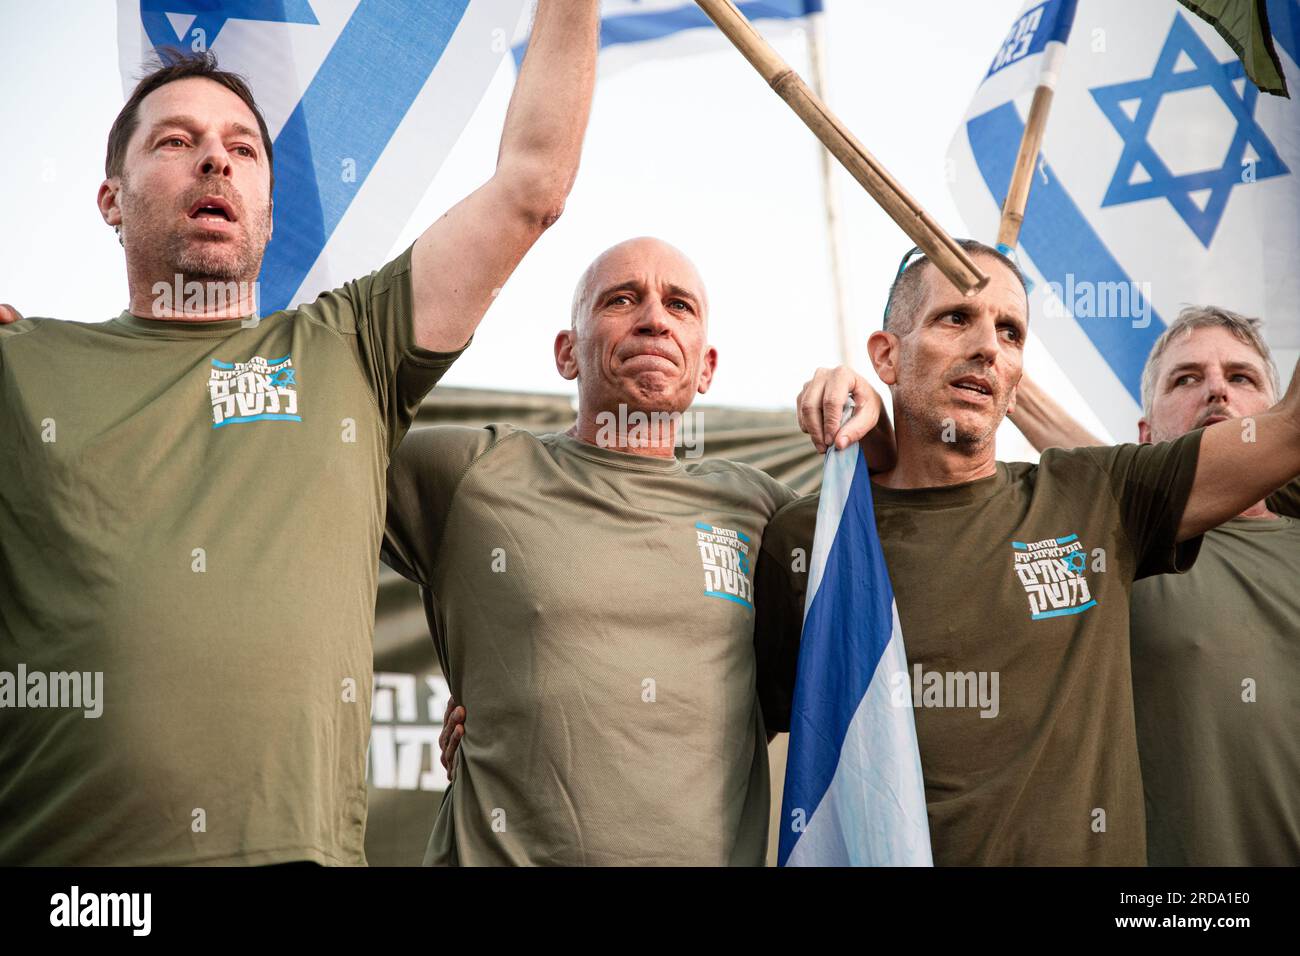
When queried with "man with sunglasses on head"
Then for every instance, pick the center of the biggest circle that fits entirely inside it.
(1011, 571)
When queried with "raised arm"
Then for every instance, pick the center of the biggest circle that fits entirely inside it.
(1243, 461)
(1045, 423)
(461, 261)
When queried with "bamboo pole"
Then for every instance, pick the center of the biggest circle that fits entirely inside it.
(1022, 177)
(951, 259)
(1031, 141)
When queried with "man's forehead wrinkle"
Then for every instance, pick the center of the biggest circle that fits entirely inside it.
(244, 130)
(1193, 364)
(667, 259)
(174, 98)
(675, 288)
(637, 264)
(641, 281)
(633, 283)
(1224, 343)
(193, 123)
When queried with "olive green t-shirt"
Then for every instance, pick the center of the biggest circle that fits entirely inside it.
(1216, 686)
(193, 512)
(1286, 500)
(1013, 595)
(593, 612)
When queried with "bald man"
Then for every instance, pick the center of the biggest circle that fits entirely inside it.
(590, 596)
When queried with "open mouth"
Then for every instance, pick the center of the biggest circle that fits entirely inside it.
(976, 389)
(212, 209)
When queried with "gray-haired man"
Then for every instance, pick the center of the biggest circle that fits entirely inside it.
(1216, 651)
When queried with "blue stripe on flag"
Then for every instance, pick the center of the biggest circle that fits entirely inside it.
(656, 24)
(1059, 239)
(349, 112)
(1053, 26)
(845, 631)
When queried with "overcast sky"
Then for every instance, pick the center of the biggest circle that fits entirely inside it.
(697, 151)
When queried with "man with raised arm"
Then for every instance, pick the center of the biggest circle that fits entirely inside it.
(192, 499)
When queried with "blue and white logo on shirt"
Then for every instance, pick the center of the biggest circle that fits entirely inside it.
(725, 556)
(1051, 571)
(258, 390)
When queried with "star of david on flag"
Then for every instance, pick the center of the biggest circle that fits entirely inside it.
(1165, 180)
(356, 147)
(1140, 156)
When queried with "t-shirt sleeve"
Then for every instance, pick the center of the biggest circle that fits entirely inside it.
(377, 309)
(15, 329)
(777, 492)
(780, 582)
(422, 479)
(1151, 484)
(1286, 500)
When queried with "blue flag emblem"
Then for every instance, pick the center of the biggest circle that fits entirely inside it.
(1139, 154)
(1165, 180)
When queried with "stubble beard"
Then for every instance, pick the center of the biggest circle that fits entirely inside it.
(1165, 433)
(238, 260)
(156, 239)
(935, 423)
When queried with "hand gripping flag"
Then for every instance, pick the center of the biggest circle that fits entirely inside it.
(364, 100)
(634, 30)
(1165, 179)
(854, 795)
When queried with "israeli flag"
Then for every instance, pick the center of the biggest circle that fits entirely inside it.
(854, 794)
(1166, 179)
(636, 30)
(364, 99)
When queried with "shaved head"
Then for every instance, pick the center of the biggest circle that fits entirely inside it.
(638, 334)
(611, 262)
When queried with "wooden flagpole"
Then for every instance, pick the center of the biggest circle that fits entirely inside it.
(951, 259)
(1031, 142)
(1022, 176)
